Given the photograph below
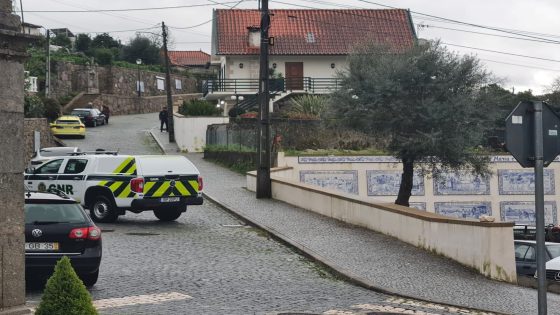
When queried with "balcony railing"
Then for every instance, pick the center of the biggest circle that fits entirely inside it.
(305, 84)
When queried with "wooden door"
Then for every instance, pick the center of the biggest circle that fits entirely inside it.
(294, 75)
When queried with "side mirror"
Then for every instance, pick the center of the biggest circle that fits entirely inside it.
(30, 170)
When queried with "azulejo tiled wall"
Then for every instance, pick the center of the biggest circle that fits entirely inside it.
(508, 194)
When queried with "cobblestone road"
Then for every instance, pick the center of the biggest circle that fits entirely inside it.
(209, 262)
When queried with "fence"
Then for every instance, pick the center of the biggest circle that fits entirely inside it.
(242, 134)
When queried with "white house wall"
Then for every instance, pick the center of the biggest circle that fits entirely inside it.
(313, 66)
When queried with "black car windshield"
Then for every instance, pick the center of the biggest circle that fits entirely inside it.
(52, 213)
(554, 250)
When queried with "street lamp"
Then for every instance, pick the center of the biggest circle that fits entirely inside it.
(138, 62)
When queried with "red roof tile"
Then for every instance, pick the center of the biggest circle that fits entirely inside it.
(188, 58)
(313, 32)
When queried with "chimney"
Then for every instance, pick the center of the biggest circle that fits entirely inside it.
(254, 39)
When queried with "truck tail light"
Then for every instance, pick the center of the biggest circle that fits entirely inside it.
(200, 183)
(137, 185)
(92, 233)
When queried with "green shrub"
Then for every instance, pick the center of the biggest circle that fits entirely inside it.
(65, 294)
(33, 107)
(103, 56)
(52, 108)
(199, 108)
(307, 107)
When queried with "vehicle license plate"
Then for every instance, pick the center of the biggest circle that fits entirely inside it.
(41, 246)
(170, 199)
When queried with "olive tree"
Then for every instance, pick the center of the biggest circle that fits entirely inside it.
(422, 102)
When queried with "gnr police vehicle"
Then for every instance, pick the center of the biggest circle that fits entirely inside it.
(110, 184)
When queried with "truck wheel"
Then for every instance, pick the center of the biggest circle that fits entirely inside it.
(167, 214)
(102, 209)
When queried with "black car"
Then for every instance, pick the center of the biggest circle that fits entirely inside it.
(526, 256)
(57, 226)
(90, 116)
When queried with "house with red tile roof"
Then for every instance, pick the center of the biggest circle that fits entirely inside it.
(189, 59)
(310, 46)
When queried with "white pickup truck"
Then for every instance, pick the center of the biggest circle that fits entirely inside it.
(109, 184)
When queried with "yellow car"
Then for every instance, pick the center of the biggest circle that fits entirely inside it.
(68, 126)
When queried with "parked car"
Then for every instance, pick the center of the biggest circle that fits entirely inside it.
(68, 126)
(57, 226)
(553, 270)
(526, 255)
(528, 232)
(90, 116)
(46, 154)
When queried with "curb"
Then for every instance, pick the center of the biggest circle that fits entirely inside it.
(318, 258)
(160, 145)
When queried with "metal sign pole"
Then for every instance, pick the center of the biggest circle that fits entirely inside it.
(539, 206)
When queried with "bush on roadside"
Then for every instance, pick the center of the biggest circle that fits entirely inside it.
(65, 294)
(33, 107)
(52, 108)
(199, 108)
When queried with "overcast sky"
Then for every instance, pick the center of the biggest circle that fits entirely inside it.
(540, 17)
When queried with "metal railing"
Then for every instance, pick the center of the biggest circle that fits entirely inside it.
(306, 84)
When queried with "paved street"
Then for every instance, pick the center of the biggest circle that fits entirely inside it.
(209, 262)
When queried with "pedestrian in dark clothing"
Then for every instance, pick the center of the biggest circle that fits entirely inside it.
(107, 112)
(163, 119)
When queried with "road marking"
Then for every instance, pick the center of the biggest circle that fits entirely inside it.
(140, 299)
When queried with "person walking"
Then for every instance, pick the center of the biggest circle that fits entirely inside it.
(163, 119)
(107, 112)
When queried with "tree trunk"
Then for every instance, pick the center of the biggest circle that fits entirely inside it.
(405, 191)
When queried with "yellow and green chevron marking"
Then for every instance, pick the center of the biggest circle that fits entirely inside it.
(128, 166)
(120, 189)
(167, 189)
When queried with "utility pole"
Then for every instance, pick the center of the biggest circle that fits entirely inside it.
(48, 70)
(264, 189)
(170, 129)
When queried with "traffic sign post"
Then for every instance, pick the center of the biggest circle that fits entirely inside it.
(532, 147)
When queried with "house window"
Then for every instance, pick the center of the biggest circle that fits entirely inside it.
(178, 84)
(160, 83)
(310, 37)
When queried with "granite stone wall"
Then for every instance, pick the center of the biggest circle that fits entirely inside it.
(12, 239)
(71, 78)
(125, 105)
(31, 125)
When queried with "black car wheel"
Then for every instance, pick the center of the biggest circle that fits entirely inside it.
(167, 214)
(102, 210)
(90, 279)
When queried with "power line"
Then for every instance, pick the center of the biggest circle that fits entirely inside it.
(501, 52)
(518, 65)
(138, 9)
(427, 26)
(466, 23)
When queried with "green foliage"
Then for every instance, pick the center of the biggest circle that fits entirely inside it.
(232, 148)
(423, 101)
(33, 107)
(143, 67)
(83, 41)
(61, 40)
(103, 56)
(143, 48)
(199, 108)
(78, 59)
(65, 294)
(52, 108)
(63, 100)
(104, 41)
(307, 106)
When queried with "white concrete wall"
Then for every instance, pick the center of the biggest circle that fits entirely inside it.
(313, 66)
(497, 197)
(190, 132)
(486, 247)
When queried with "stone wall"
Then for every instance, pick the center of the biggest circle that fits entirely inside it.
(71, 78)
(125, 105)
(36, 124)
